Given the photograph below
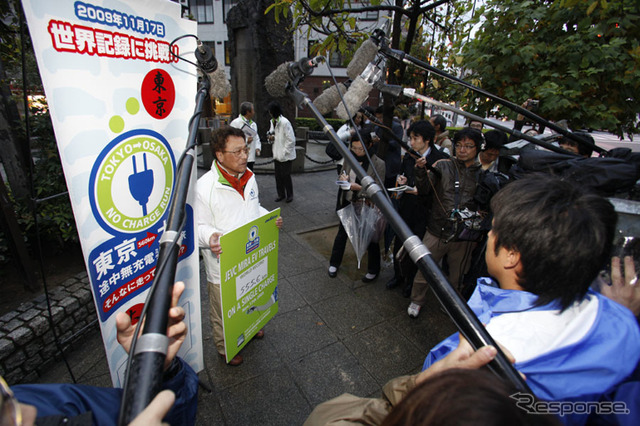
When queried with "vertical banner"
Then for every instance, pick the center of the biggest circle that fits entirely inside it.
(120, 104)
(249, 275)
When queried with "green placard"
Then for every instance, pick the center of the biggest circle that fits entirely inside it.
(249, 275)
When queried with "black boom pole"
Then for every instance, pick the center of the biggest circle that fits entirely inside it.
(144, 378)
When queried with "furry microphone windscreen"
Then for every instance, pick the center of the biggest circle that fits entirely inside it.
(220, 86)
(330, 98)
(354, 98)
(365, 54)
(276, 82)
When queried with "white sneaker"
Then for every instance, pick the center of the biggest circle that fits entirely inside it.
(333, 271)
(413, 310)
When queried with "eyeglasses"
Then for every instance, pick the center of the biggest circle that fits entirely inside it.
(10, 409)
(465, 146)
(238, 152)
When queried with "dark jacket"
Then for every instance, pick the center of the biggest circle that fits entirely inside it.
(392, 157)
(413, 208)
(57, 402)
(443, 192)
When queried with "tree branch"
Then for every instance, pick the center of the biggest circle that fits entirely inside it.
(328, 12)
(323, 13)
(433, 6)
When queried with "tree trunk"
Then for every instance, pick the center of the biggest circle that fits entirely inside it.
(11, 154)
(388, 100)
(257, 45)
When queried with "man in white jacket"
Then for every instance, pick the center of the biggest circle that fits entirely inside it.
(284, 151)
(227, 198)
(245, 122)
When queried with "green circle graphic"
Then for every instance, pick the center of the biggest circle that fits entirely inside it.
(121, 155)
(116, 124)
(133, 106)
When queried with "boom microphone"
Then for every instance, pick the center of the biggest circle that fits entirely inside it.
(289, 72)
(276, 82)
(390, 89)
(330, 98)
(220, 86)
(359, 91)
(366, 53)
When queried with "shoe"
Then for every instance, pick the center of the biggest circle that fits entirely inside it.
(413, 310)
(333, 271)
(406, 290)
(260, 334)
(235, 361)
(393, 283)
(289, 199)
(369, 277)
(279, 199)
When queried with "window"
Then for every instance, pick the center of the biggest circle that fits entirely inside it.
(212, 45)
(226, 5)
(202, 10)
(336, 60)
(371, 15)
(227, 56)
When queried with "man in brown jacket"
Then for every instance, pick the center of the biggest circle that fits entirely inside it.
(452, 184)
(350, 409)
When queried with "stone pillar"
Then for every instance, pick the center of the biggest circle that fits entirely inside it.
(257, 45)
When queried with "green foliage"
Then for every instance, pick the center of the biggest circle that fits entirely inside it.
(11, 48)
(56, 224)
(580, 58)
(441, 46)
(55, 216)
(428, 30)
(313, 125)
(340, 32)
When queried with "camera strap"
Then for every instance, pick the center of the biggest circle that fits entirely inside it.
(456, 188)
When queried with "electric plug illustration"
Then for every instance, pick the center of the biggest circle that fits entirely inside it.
(273, 299)
(141, 184)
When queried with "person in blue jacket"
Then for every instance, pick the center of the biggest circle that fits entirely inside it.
(624, 289)
(548, 243)
(80, 404)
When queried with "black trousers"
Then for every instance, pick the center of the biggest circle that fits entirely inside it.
(339, 245)
(413, 211)
(284, 185)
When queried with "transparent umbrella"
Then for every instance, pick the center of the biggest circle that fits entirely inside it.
(363, 223)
